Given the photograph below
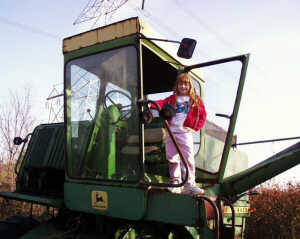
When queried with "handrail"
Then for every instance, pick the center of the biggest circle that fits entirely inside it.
(216, 211)
(227, 202)
(183, 159)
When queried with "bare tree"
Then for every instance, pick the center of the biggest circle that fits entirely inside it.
(15, 120)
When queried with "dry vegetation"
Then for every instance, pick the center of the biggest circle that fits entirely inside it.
(277, 212)
(10, 208)
(16, 120)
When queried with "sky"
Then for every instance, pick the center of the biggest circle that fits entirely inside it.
(31, 49)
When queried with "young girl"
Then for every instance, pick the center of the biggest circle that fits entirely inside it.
(190, 116)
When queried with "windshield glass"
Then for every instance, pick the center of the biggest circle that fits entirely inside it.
(221, 84)
(101, 113)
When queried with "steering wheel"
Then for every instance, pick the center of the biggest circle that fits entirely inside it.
(124, 105)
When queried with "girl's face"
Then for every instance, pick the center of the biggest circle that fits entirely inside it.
(183, 88)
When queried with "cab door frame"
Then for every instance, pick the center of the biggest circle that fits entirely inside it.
(218, 177)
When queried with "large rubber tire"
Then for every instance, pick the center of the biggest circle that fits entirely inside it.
(16, 226)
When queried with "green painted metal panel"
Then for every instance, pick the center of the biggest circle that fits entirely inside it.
(120, 202)
(42, 169)
(263, 171)
(173, 208)
(130, 40)
(46, 148)
(135, 204)
(48, 201)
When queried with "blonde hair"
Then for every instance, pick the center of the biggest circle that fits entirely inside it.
(184, 77)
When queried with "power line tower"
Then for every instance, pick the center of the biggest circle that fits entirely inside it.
(55, 104)
(97, 9)
(84, 94)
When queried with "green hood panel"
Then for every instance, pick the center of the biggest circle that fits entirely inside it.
(263, 171)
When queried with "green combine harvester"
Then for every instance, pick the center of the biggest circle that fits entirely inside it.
(104, 169)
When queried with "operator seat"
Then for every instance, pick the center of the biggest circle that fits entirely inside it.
(155, 159)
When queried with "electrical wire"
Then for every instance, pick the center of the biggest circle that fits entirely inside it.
(29, 28)
(213, 32)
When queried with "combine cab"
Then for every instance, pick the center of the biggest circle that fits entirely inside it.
(104, 168)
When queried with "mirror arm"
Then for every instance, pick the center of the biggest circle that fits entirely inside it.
(185, 50)
(24, 141)
(157, 39)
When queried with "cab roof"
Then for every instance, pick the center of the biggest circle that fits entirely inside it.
(121, 29)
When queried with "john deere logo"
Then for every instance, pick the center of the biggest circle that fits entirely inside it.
(99, 200)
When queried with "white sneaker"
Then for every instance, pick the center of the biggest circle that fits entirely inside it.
(174, 190)
(192, 190)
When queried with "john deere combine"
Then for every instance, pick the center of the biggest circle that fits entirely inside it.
(104, 169)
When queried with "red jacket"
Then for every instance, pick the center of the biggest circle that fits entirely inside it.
(196, 116)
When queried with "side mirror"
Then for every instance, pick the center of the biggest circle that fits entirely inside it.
(186, 48)
(18, 140)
